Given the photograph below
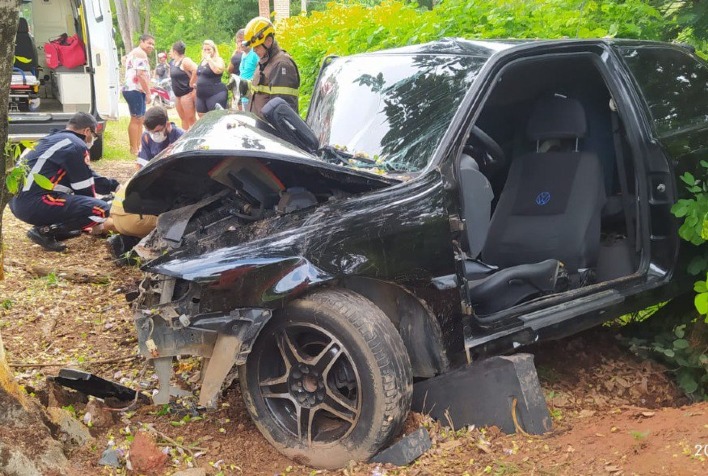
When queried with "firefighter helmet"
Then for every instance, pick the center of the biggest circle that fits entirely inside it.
(257, 31)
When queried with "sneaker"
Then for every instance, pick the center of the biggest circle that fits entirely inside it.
(45, 239)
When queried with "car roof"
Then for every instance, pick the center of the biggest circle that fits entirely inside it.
(488, 48)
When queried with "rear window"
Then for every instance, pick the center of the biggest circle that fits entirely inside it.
(674, 85)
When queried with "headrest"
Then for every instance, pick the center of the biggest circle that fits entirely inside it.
(556, 117)
(22, 26)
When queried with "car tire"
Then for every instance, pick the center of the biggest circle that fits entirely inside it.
(96, 151)
(328, 379)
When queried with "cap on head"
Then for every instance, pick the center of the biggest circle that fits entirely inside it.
(82, 120)
(257, 31)
(161, 55)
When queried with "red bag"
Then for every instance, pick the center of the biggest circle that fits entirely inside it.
(51, 55)
(72, 52)
(66, 51)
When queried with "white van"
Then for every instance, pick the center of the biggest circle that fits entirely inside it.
(44, 96)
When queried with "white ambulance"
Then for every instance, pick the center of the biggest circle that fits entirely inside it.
(46, 91)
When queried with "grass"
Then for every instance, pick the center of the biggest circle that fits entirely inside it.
(115, 140)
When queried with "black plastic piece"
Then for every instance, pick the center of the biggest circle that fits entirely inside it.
(406, 450)
(91, 384)
(289, 125)
(501, 391)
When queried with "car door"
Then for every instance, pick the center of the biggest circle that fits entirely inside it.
(672, 87)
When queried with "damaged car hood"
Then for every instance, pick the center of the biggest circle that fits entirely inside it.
(223, 144)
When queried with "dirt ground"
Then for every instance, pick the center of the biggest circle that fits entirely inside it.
(612, 413)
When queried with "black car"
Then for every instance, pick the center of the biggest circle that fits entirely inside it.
(466, 199)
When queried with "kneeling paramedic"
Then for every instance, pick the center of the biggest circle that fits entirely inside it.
(64, 202)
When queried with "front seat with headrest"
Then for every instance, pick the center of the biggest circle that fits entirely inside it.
(551, 202)
(25, 52)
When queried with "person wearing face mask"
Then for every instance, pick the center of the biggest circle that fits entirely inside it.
(59, 193)
(159, 133)
(131, 227)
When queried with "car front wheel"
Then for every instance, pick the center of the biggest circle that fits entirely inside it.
(328, 380)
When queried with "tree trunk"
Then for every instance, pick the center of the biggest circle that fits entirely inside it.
(133, 15)
(146, 26)
(8, 27)
(122, 15)
(26, 445)
(264, 8)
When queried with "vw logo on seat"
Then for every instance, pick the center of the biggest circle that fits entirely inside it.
(543, 198)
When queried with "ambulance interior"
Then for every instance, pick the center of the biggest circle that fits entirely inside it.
(35, 86)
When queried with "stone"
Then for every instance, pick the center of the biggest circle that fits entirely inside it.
(58, 396)
(406, 450)
(101, 416)
(110, 457)
(74, 430)
(145, 456)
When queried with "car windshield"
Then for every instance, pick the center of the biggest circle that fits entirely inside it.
(389, 112)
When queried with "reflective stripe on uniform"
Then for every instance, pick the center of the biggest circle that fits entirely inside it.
(83, 184)
(62, 188)
(41, 160)
(276, 90)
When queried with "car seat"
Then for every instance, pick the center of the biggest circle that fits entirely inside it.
(548, 212)
(552, 200)
(25, 52)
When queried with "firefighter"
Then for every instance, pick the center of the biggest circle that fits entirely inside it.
(276, 74)
(59, 193)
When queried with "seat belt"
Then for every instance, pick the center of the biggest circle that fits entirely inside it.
(627, 205)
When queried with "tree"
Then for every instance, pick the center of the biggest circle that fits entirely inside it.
(9, 14)
(26, 444)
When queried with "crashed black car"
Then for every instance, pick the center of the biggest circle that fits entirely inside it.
(466, 199)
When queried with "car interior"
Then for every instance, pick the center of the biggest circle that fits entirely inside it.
(547, 187)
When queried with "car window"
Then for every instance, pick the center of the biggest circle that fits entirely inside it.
(674, 85)
(390, 110)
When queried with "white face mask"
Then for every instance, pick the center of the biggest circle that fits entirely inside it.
(158, 136)
(89, 139)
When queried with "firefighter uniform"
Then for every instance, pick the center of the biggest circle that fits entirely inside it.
(62, 158)
(276, 76)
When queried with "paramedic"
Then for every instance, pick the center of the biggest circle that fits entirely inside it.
(59, 193)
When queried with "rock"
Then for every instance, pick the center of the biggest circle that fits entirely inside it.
(110, 457)
(58, 396)
(191, 472)
(145, 456)
(101, 416)
(74, 430)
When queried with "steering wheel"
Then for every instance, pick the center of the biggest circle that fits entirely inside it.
(485, 150)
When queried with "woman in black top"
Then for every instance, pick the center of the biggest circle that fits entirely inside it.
(183, 72)
(210, 90)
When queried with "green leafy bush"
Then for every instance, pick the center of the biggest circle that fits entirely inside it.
(683, 351)
(345, 29)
